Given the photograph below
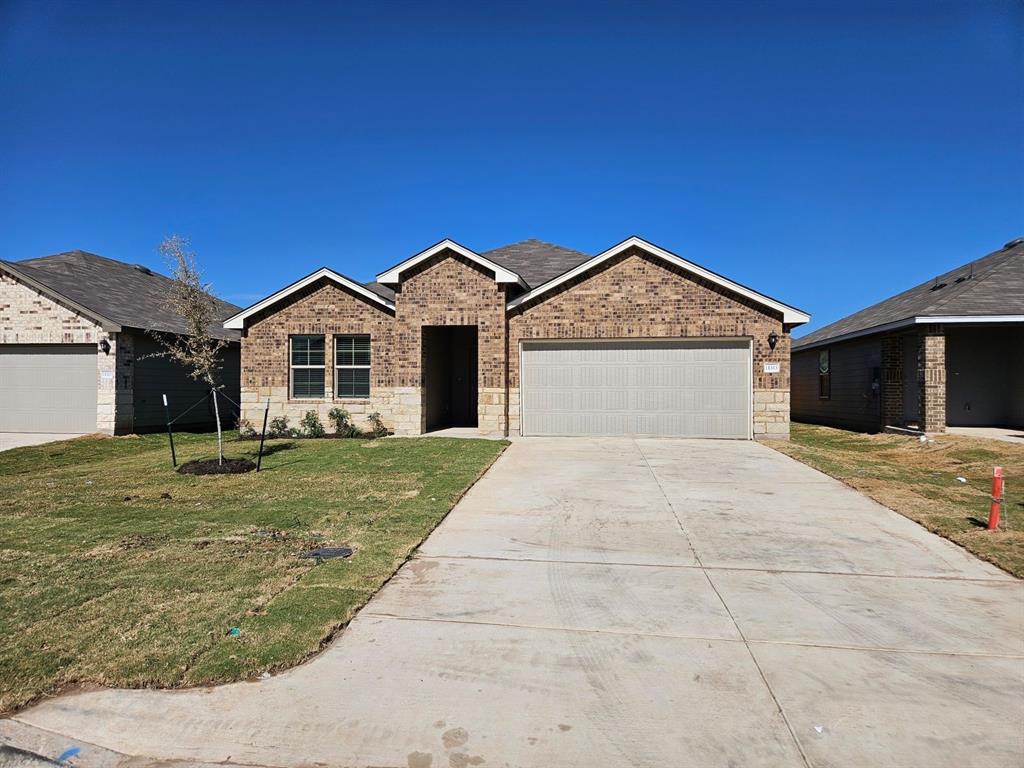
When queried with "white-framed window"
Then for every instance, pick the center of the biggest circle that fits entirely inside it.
(307, 366)
(352, 366)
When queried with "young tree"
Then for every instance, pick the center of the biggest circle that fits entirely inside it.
(196, 349)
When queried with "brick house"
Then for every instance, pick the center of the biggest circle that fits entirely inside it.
(530, 338)
(75, 335)
(947, 352)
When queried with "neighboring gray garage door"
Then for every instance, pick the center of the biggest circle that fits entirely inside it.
(48, 388)
(675, 387)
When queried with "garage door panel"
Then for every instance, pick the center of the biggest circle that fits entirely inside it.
(695, 388)
(48, 388)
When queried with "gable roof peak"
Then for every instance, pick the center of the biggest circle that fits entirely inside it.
(502, 274)
(790, 315)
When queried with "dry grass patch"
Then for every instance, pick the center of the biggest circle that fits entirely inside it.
(919, 480)
(116, 570)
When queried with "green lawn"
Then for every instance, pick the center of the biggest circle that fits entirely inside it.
(104, 581)
(919, 480)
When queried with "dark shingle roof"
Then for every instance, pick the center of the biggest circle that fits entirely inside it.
(536, 261)
(127, 294)
(381, 290)
(991, 285)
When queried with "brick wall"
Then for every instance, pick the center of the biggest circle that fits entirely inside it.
(639, 296)
(892, 380)
(634, 296)
(29, 317)
(323, 308)
(451, 290)
(931, 377)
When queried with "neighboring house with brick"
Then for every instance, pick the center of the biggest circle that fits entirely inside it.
(531, 339)
(75, 333)
(948, 352)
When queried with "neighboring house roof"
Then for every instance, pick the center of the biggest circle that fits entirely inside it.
(790, 315)
(536, 261)
(989, 289)
(502, 274)
(238, 320)
(112, 293)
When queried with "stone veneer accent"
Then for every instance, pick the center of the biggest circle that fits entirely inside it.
(326, 309)
(634, 296)
(451, 290)
(29, 317)
(640, 297)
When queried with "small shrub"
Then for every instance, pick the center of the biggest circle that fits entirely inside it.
(311, 425)
(246, 431)
(377, 425)
(279, 427)
(342, 421)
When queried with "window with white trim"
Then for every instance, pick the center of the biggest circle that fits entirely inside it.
(307, 366)
(352, 366)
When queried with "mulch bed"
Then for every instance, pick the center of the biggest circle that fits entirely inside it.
(211, 467)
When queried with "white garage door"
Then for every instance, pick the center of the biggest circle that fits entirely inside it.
(48, 388)
(673, 387)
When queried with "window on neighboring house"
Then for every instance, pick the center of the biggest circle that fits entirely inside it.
(352, 366)
(307, 366)
(825, 374)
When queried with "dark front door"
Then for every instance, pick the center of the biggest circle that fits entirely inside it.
(450, 375)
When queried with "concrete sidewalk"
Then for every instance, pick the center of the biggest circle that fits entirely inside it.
(607, 602)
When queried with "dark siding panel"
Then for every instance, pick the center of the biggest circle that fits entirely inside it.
(985, 376)
(854, 403)
(157, 376)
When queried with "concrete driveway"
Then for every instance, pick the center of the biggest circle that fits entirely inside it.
(613, 602)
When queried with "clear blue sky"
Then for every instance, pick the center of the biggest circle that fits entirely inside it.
(826, 153)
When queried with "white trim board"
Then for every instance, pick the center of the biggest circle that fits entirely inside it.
(238, 321)
(790, 315)
(501, 274)
(909, 322)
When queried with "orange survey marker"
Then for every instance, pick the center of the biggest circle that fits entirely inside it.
(997, 498)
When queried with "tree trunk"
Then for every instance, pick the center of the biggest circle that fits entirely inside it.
(220, 439)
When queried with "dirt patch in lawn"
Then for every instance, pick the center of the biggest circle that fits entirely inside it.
(214, 467)
(945, 484)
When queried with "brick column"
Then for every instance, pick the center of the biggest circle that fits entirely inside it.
(931, 377)
(892, 380)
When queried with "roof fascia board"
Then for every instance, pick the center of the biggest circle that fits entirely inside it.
(237, 321)
(790, 315)
(106, 323)
(908, 322)
(501, 274)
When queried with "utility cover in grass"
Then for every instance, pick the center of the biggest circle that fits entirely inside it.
(328, 553)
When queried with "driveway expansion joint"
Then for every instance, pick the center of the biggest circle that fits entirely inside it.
(753, 658)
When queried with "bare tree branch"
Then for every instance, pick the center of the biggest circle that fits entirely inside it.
(197, 350)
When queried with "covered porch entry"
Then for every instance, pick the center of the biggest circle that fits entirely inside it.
(450, 386)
